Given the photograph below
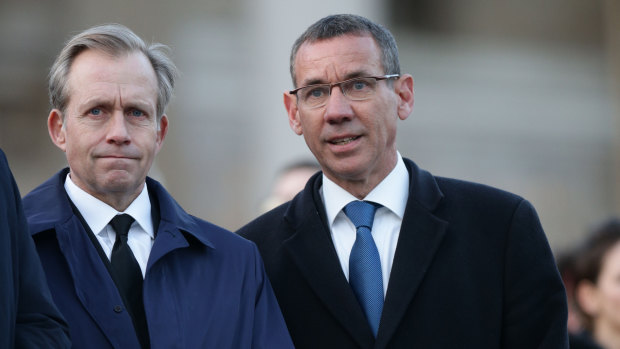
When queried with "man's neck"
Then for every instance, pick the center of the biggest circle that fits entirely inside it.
(117, 200)
(360, 187)
(119, 203)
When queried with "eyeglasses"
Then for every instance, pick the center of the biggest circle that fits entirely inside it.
(356, 89)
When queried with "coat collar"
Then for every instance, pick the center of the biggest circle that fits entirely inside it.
(49, 210)
(311, 248)
(48, 204)
(45, 210)
(172, 214)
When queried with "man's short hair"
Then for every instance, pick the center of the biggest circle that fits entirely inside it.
(115, 40)
(347, 24)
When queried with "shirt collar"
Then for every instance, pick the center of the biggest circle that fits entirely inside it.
(392, 192)
(98, 214)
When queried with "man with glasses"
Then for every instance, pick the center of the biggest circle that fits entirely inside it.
(376, 252)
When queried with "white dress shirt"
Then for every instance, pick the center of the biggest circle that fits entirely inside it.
(98, 215)
(392, 194)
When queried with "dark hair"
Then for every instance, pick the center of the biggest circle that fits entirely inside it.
(590, 253)
(343, 24)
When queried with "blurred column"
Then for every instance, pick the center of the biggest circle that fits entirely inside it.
(612, 13)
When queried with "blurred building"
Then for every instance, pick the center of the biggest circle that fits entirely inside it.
(521, 95)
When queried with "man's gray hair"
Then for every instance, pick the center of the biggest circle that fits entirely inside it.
(115, 40)
(347, 24)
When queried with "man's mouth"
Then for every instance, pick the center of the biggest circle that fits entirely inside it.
(344, 141)
(112, 157)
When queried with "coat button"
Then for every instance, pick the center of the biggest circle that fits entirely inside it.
(118, 309)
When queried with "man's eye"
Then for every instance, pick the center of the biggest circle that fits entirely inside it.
(136, 113)
(95, 111)
(359, 85)
(316, 92)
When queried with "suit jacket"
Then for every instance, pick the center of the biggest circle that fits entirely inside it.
(28, 316)
(472, 269)
(204, 286)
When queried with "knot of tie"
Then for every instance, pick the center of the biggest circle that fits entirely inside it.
(361, 213)
(121, 224)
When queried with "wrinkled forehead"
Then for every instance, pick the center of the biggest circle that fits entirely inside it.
(339, 57)
(96, 74)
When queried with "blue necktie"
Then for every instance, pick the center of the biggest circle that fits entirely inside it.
(364, 263)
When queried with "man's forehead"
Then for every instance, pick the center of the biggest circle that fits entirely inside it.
(344, 56)
(97, 75)
(342, 42)
(97, 64)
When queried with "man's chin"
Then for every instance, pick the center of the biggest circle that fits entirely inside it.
(121, 182)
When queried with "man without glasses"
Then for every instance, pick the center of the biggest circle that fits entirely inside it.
(127, 266)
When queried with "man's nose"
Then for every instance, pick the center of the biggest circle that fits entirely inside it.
(338, 106)
(118, 131)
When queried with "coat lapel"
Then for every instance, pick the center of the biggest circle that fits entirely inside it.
(93, 284)
(312, 249)
(420, 236)
(48, 207)
(172, 224)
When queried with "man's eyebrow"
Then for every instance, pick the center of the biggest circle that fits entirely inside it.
(356, 74)
(313, 82)
(138, 104)
(351, 75)
(96, 101)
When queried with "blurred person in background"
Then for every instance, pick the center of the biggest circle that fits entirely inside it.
(28, 317)
(566, 265)
(597, 287)
(126, 265)
(376, 252)
(289, 181)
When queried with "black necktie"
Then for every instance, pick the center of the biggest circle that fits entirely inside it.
(128, 276)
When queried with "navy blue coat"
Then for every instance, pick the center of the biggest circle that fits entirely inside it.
(205, 287)
(28, 317)
(472, 269)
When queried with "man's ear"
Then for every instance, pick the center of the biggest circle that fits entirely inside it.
(56, 130)
(290, 103)
(162, 131)
(404, 90)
